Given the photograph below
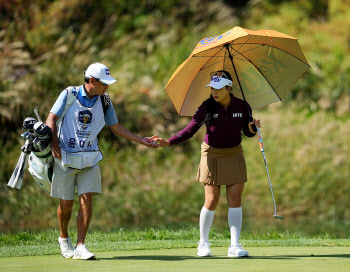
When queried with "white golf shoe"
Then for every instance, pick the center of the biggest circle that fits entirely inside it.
(237, 251)
(204, 249)
(82, 253)
(67, 249)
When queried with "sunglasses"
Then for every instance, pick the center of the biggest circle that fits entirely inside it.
(219, 74)
(97, 79)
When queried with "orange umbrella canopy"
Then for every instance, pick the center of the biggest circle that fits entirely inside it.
(267, 64)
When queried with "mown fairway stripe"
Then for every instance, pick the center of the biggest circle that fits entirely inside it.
(261, 259)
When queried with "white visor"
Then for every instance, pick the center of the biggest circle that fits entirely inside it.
(219, 82)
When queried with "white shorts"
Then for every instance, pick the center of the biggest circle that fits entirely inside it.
(87, 180)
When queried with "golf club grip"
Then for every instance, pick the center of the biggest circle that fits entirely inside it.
(37, 115)
(252, 125)
(260, 140)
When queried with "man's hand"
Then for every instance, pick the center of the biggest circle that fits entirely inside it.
(51, 122)
(147, 141)
(56, 152)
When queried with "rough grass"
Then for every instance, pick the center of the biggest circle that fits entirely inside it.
(307, 159)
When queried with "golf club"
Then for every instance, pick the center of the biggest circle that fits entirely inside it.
(15, 175)
(267, 171)
(28, 124)
(18, 174)
(21, 171)
(37, 115)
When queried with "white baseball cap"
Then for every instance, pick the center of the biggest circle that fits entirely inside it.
(99, 72)
(217, 82)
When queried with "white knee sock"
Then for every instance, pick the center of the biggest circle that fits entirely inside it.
(235, 223)
(205, 220)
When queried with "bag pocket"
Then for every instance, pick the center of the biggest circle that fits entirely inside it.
(41, 170)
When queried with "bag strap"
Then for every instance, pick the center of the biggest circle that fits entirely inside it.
(106, 101)
(71, 96)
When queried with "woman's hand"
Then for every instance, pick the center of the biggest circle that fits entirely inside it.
(257, 124)
(159, 142)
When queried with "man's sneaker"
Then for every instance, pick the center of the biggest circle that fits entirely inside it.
(67, 249)
(204, 249)
(82, 253)
(237, 251)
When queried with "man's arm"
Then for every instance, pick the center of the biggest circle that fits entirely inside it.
(51, 122)
(119, 130)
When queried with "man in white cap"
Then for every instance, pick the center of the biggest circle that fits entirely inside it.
(75, 149)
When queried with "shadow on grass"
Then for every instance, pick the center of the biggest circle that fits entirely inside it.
(165, 258)
(302, 256)
(183, 258)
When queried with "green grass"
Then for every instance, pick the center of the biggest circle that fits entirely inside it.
(262, 259)
(184, 259)
(45, 242)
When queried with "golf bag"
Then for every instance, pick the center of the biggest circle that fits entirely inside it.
(40, 162)
(37, 150)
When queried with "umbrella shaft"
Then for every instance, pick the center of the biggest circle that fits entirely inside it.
(239, 83)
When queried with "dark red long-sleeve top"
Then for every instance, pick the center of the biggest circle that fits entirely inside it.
(225, 131)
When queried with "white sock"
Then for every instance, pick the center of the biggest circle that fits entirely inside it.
(235, 223)
(205, 220)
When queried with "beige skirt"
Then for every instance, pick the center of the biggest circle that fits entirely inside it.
(222, 166)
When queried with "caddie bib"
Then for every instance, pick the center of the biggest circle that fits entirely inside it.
(78, 134)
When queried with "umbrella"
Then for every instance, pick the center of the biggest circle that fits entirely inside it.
(264, 65)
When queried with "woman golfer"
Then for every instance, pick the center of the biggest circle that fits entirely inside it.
(222, 158)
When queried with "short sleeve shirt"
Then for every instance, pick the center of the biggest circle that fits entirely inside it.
(58, 108)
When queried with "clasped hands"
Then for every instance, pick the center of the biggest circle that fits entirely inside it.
(159, 142)
(155, 142)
